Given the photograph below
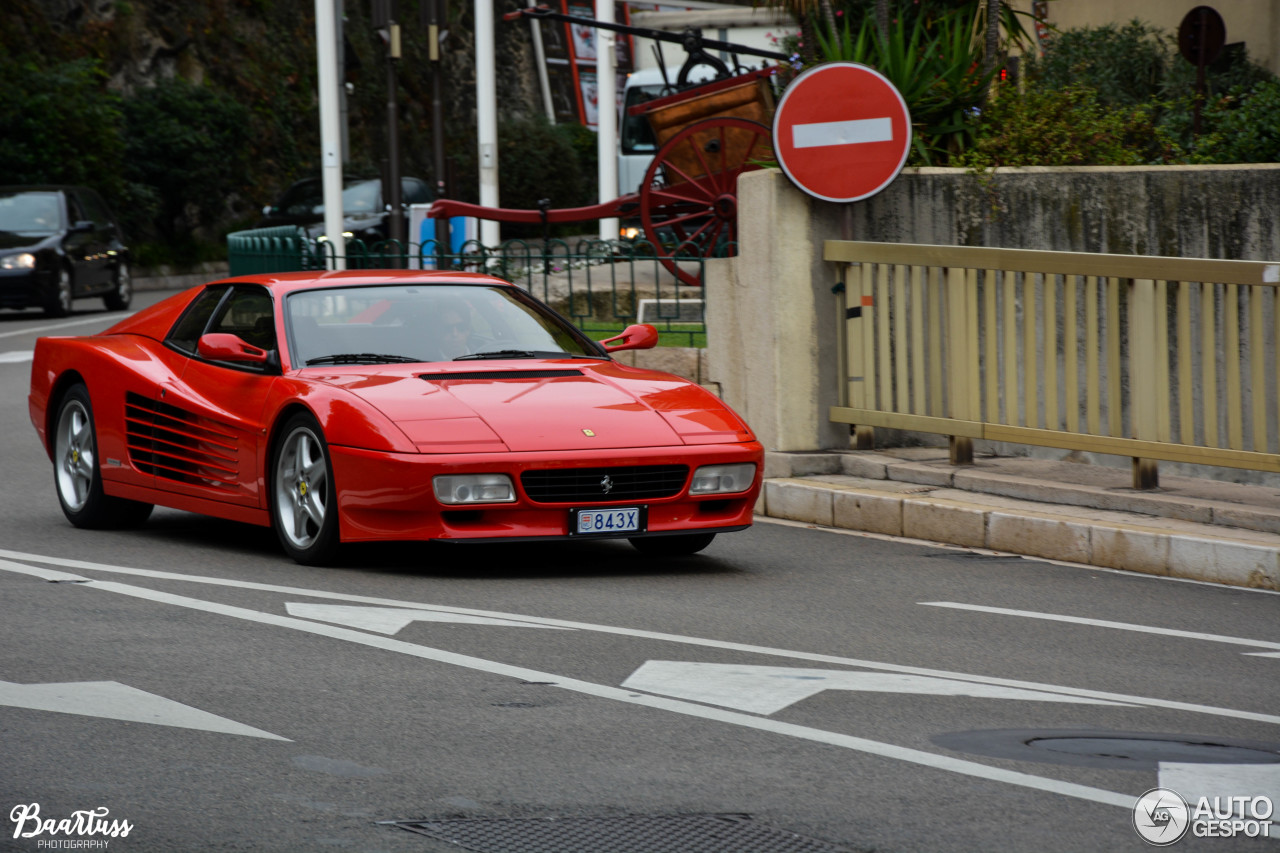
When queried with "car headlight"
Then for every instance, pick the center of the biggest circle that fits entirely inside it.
(722, 479)
(21, 261)
(474, 489)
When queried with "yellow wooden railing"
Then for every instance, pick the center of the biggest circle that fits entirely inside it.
(1153, 358)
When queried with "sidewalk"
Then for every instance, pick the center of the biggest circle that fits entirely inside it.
(1190, 527)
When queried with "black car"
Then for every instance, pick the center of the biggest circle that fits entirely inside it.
(58, 244)
(364, 213)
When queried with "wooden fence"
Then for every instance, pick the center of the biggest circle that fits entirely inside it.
(1154, 358)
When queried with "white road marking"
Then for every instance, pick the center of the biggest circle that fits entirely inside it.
(769, 689)
(39, 330)
(15, 357)
(854, 132)
(1121, 626)
(116, 701)
(387, 620)
(1194, 781)
(602, 691)
(630, 632)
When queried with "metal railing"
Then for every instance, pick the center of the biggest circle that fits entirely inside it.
(1153, 358)
(600, 285)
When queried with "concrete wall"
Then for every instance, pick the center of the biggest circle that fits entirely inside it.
(771, 324)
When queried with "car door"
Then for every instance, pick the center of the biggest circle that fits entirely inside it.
(98, 247)
(220, 405)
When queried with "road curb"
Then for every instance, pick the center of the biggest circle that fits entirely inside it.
(1173, 547)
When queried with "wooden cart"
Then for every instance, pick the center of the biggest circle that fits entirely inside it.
(707, 135)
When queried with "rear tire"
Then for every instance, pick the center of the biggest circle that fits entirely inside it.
(679, 545)
(76, 473)
(304, 506)
(121, 289)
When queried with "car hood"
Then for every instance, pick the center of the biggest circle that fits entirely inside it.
(30, 240)
(531, 406)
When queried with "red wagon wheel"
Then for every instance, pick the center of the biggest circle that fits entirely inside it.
(688, 199)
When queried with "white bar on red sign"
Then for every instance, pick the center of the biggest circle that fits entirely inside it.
(842, 132)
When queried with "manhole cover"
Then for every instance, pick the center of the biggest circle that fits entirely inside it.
(697, 833)
(1099, 748)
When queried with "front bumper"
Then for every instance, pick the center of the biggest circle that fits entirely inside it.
(388, 496)
(22, 288)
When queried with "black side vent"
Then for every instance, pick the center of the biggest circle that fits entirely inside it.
(170, 442)
(604, 485)
(500, 374)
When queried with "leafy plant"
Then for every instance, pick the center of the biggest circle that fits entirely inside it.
(1070, 126)
(1246, 127)
(186, 154)
(937, 68)
(59, 124)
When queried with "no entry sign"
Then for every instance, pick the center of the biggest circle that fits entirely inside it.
(841, 132)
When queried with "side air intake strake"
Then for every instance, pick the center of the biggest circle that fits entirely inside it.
(598, 485)
(170, 442)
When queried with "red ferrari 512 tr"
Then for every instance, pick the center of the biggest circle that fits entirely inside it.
(386, 405)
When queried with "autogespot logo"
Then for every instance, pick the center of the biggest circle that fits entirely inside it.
(1161, 817)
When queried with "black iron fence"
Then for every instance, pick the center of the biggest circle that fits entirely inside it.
(601, 285)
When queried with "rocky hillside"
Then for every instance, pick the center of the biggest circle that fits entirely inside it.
(192, 115)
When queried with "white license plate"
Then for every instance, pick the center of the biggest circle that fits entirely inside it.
(618, 520)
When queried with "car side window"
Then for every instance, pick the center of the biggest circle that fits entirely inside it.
(249, 314)
(94, 208)
(191, 325)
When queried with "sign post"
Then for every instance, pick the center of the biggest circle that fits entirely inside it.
(841, 132)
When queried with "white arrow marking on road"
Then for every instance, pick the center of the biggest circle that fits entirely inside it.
(387, 620)
(852, 132)
(1122, 626)
(1194, 781)
(15, 357)
(768, 689)
(116, 701)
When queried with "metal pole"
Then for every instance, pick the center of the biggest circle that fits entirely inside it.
(395, 217)
(540, 59)
(607, 115)
(330, 131)
(487, 117)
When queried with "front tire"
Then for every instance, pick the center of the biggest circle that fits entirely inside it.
(304, 507)
(76, 475)
(679, 545)
(121, 294)
(58, 303)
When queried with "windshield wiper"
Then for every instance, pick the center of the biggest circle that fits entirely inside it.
(362, 358)
(521, 353)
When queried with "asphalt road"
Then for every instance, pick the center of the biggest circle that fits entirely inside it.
(841, 691)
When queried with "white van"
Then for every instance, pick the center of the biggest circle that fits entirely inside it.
(636, 144)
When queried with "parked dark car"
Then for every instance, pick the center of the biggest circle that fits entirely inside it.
(58, 244)
(365, 215)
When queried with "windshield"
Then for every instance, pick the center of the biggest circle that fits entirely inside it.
(307, 198)
(637, 135)
(424, 323)
(30, 212)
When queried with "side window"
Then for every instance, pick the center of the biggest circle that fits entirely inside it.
(94, 208)
(414, 191)
(250, 315)
(191, 325)
(75, 212)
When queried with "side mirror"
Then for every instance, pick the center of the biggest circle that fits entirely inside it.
(220, 346)
(637, 336)
(82, 226)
